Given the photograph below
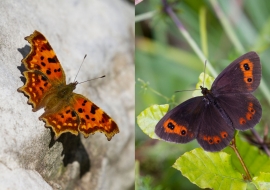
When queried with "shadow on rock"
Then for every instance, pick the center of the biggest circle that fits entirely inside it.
(24, 51)
(73, 150)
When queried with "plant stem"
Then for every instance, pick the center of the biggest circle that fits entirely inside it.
(233, 146)
(184, 32)
(257, 136)
(203, 30)
(228, 28)
(137, 175)
(146, 85)
(145, 16)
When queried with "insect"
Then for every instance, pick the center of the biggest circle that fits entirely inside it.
(226, 107)
(65, 111)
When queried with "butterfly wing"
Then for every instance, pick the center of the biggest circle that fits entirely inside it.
(232, 91)
(43, 58)
(35, 87)
(181, 124)
(80, 114)
(92, 118)
(214, 132)
(44, 71)
(62, 121)
(242, 76)
(195, 118)
(244, 110)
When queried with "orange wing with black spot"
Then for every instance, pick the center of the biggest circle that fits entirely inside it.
(62, 121)
(42, 58)
(93, 118)
(43, 71)
(46, 87)
(80, 114)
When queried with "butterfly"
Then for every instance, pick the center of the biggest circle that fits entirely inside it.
(65, 111)
(227, 106)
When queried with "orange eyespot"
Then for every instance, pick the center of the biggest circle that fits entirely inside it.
(250, 108)
(171, 126)
(224, 134)
(249, 116)
(242, 121)
(212, 140)
(216, 139)
(246, 67)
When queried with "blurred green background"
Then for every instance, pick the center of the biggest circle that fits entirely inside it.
(166, 62)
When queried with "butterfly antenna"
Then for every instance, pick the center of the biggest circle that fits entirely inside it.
(204, 71)
(92, 79)
(185, 90)
(80, 67)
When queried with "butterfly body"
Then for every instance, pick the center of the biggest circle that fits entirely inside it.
(58, 96)
(210, 99)
(65, 111)
(213, 117)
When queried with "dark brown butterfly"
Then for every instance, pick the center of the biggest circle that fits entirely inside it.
(213, 117)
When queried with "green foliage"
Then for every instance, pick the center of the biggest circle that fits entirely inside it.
(148, 119)
(220, 170)
(146, 183)
(262, 182)
(255, 160)
(166, 61)
(210, 170)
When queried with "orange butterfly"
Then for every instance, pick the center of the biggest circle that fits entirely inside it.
(65, 111)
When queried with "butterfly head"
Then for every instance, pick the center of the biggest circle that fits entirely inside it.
(67, 89)
(204, 91)
(73, 85)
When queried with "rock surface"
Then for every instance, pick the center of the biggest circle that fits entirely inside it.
(104, 30)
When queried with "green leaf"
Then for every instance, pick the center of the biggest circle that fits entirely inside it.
(262, 182)
(148, 119)
(210, 170)
(255, 160)
(205, 82)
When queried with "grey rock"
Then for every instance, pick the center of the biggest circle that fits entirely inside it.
(104, 30)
